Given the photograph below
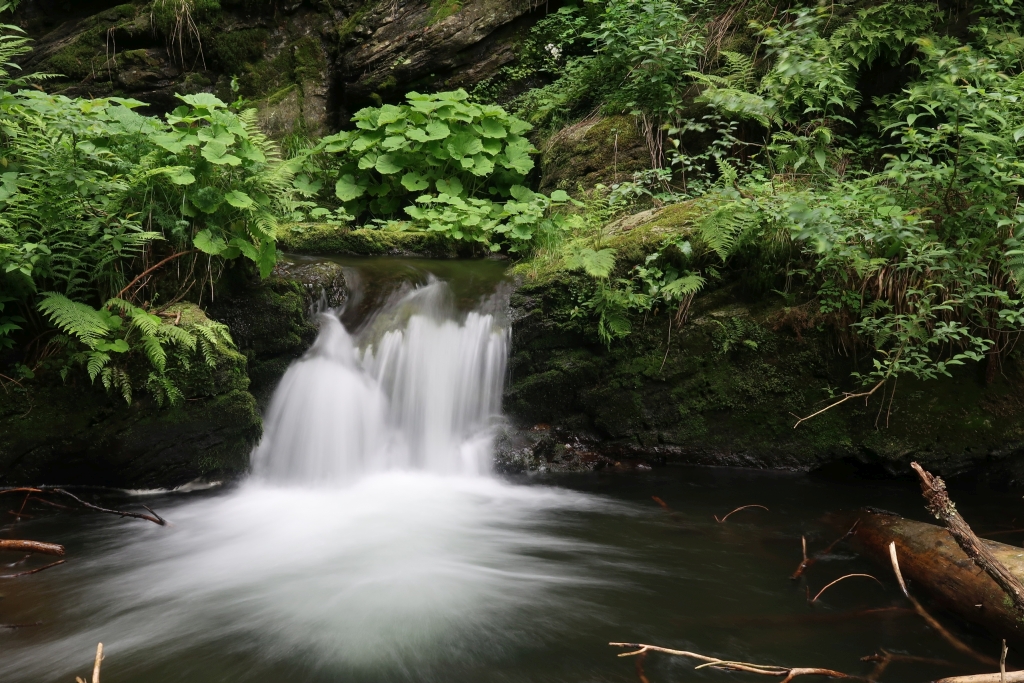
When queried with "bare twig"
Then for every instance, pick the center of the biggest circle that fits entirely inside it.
(846, 397)
(939, 504)
(32, 571)
(742, 507)
(149, 270)
(95, 666)
(809, 561)
(155, 518)
(32, 547)
(841, 578)
(930, 620)
(1002, 663)
(787, 674)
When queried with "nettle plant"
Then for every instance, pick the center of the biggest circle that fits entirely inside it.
(448, 164)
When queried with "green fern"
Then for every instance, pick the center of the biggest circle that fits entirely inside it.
(596, 264)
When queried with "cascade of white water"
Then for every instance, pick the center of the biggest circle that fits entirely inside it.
(422, 394)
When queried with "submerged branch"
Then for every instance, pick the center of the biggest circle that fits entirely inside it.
(32, 571)
(742, 507)
(932, 621)
(807, 562)
(787, 674)
(154, 517)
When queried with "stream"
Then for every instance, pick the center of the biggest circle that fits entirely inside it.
(372, 543)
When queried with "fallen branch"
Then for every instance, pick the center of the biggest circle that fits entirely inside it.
(149, 270)
(939, 504)
(742, 507)
(32, 571)
(809, 561)
(32, 547)
(846, 397)
(848, 576)
(930, 620)
(787, 674)
(154, 517)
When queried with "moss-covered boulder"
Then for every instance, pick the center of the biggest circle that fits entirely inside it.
(76, 433)
(729, 386)
(606, 150)
(272, 325)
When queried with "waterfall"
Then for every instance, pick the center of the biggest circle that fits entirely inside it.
(419, 388)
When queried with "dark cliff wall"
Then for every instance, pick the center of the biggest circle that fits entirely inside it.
(307, 64)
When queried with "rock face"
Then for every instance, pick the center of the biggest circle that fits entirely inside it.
(76, 433)
(727, 390)
(307, 65)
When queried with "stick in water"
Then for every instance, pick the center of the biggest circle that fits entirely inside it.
(930, 620)
(742, 507)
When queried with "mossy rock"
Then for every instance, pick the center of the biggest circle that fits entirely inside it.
(76, 433)
(606, 151)
(333, 240)
(728, 387)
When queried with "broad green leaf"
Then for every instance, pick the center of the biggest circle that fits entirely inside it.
(306, 186)
(181, 176)
(451, 187)
(464, 145)
(202, 99)
(388, 164)
(437, 130)
(414, 182)
(216, 153)
(559, 196)
(346, 189)
(245, 247)
(492, 128)
(239, 200)
(208, 243)
(172, 142)
(482, 165)
(389, 113)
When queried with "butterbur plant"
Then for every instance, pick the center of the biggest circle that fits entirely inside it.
(447, 163)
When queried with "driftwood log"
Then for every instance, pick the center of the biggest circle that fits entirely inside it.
(931, 559)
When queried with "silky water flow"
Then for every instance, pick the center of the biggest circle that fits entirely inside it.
(370, 539)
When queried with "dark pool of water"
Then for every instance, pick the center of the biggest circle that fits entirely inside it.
(416, 580)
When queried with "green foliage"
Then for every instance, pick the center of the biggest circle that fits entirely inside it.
(93, 194)
(900, 223)
(449, 164)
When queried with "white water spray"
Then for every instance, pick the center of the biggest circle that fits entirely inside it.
(423, 394)
(365, 547)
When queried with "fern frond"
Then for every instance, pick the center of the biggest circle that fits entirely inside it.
(597, 264)
(76, 319)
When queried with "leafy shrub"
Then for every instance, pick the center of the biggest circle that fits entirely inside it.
(95, 199)
(449, 164)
